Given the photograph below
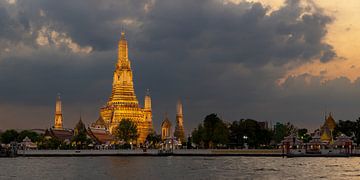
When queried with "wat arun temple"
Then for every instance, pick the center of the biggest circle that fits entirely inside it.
(123, 103)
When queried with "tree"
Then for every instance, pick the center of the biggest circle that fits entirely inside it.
(197, 135)
(357, 131)
(80, 140)
(9, 136)
(153, 139)
(290, 129)
(255, 135)
(30, 134)
(283, 130)
(303, 135)
(127, 130)
(345, 127)
(215, 131)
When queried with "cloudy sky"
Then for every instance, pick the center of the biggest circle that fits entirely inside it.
(270, 60)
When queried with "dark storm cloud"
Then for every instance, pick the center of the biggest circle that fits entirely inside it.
(243, 33)
(36, 80)
(93, 22)
(222, 58)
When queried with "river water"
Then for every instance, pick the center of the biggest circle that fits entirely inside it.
(178, 168)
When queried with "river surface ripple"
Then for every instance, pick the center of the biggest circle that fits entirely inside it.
(179, 168)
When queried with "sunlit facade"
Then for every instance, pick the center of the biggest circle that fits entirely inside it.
(123, 103)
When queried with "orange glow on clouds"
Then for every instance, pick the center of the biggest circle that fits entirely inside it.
(343, 35)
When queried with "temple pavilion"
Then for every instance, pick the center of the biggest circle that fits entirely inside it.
(327, 129)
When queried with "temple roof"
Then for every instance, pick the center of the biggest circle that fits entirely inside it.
(99, 123)
(330, 122)
(80, 127)
(325, 136)
(166, 123)
(60, 134)
(101, 136)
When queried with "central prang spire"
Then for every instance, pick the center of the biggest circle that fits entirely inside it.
(123, 56)
(123, 103)
(123, 77)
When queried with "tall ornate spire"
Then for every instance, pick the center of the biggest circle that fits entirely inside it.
(123, 56)
(123, 103)
(147, 103)
(58, 114)
(179, 128)
(148, 110)
(123, 86)
(179, 110)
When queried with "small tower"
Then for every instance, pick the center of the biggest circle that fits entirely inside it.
(148, 110)
(58, 114)
(166, 129)
(179, 128)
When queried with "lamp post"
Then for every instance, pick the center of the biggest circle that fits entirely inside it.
(245, 140)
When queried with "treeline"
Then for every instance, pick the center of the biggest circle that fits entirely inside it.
(78, 141)
(349, 128)
(12, 135)
(215, 133)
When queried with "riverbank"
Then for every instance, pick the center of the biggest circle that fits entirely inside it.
(177, 152)
(149, 152)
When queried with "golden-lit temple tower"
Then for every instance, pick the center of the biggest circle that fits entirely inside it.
(179, 128)
(147, 109)
(123, 103)
(58, 124)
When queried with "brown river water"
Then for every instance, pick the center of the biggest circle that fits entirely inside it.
(179, 168)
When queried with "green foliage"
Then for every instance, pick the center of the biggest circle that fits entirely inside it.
(302, 132)
(9, 136)
(303, 135)
(256, 136)
(30, 134)
(153, 139)
(345, 127)
(51, 143)
(214, 132)
(283, 130)
(357, 131)
(81, 141)
(127, 131)
(198, 134)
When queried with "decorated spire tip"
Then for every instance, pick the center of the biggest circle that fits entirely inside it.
(58, 96)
